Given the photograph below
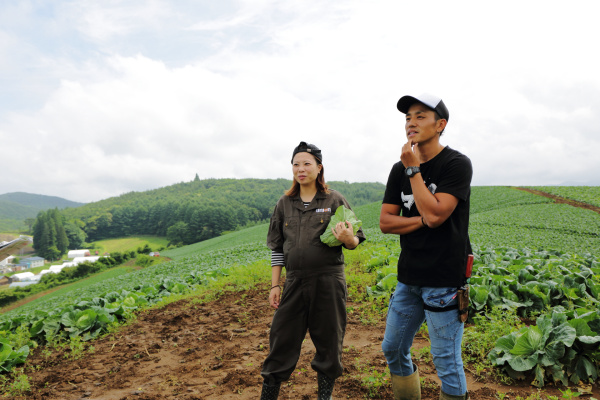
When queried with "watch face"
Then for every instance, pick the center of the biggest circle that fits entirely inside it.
(411, 171)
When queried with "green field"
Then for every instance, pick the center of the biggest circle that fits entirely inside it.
(121, 245)
(533, 257)
(81, 285)
(251, 235)
(129, 243)
(12, 226)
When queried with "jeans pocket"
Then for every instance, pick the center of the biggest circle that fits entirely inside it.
(444, 323)
(440, 297)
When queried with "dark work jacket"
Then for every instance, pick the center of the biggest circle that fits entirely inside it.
(295, 231)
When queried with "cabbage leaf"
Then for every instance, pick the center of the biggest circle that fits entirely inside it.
(342, 214)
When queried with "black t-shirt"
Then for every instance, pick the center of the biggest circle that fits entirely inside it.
(434, 257)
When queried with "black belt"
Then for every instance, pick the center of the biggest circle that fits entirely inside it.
(437, 309)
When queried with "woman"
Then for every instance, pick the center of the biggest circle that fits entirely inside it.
(315, 294)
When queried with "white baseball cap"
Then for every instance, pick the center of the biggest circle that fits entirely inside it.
(433, 102)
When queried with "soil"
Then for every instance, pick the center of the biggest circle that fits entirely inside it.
(188, 350)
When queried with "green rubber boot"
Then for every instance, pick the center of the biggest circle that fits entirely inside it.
(407, 387)
(446, 396)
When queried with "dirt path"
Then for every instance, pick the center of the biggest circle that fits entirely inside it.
(189, 351)
(561, 200)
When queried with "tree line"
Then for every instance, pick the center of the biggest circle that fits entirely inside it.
(185, 213)
(53, 236)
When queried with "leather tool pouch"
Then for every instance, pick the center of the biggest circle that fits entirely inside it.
(463, 303)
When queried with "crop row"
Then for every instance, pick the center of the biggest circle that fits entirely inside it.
(584, 194)
(177, 270)
(486, 198)
(544, 226)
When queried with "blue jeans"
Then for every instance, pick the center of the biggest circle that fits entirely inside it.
(406, 315)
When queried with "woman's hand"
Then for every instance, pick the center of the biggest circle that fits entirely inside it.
(275, 296)
(344, 233)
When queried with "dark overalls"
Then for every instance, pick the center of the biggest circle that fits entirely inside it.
(314, 295)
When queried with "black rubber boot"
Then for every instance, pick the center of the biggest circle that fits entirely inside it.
(325, 387)
(270, 392)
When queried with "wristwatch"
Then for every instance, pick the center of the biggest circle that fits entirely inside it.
(412, 171)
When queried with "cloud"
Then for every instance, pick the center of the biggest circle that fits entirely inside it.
(134, 95)
(112, 19)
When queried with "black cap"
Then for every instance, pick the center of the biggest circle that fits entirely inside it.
(304, 147)
(433, 102)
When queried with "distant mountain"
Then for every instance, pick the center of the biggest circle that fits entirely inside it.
(19, 205)
(39, 201)
(590, 182)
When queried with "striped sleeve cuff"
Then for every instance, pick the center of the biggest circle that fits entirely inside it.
(277, 259)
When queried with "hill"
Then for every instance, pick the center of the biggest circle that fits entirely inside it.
(37, 201)
(16, 207)
(190, 212)
(20, 205)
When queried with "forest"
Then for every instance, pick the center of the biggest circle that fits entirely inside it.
(185, 213)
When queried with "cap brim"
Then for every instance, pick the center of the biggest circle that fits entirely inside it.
(405, 102)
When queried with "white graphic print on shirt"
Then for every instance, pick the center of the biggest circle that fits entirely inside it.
(408, 199)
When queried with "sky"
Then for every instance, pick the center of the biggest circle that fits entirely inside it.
(101, 98)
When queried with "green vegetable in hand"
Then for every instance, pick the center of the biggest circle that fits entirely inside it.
(342, 214)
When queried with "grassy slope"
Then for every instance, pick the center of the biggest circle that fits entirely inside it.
(13, 227)
(82, 284)
(368, 214)
(245, 236)
(128, 244)
(584, 194)
(507, 217)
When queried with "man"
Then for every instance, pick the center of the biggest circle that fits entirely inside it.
(426, 202)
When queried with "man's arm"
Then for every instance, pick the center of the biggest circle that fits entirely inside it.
(434, 208)
(390, 221)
